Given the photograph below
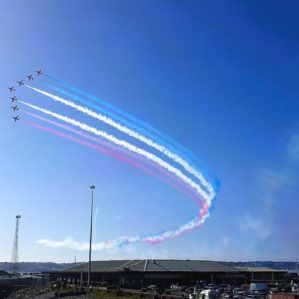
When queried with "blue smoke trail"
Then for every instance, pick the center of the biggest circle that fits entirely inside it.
(175, 147)
(124, 114)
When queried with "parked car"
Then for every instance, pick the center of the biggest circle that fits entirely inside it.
(152, 289)
(253, 296)
(194, 292)
(239, 295)
(226, 295)
(209, 294)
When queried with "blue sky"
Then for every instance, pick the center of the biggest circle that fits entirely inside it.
(221, 77)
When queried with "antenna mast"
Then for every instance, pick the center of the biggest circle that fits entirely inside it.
(15, 249)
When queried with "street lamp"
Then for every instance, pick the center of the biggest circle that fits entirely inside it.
(92, 187)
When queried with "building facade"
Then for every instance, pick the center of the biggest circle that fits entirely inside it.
(141, 273)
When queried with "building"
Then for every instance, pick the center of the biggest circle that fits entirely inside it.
(140, 273)
(263, 274)
(4, 273)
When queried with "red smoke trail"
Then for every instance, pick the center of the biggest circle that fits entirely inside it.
(172, 180)
(116, 155)
(91, 145)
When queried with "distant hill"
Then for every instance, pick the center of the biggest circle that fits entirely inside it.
(37, 267)
(267, 264)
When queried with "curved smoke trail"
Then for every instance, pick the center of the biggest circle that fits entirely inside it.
(158, 138)
(107, 151)
(120, 241)
(129, 146)
(168, 177)
(133, 134)
(124, 114)
(130, 153)
(195, 222)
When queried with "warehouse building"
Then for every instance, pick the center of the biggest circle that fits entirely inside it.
(140, 273)
(263, 274)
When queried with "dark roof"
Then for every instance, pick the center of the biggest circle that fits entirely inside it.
(154, 266)
(258, 269)
(3, 273)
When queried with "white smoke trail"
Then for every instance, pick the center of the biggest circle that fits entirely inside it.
(133, 134)
(129, 146)
(118, 242)
(72, 244)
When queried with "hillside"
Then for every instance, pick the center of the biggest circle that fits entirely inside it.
(37, 267)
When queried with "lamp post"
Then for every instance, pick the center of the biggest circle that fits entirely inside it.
(92, 187)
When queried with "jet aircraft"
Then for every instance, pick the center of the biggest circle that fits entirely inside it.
(39, 72)
(11, 89)
(13, 99)
(15, 108)
(20, 83)
(30, 77)
(16, 118)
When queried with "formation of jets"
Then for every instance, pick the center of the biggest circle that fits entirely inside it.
(30, 77)
(13, 99)
(15, 108)
(11, 89)
(20, 84)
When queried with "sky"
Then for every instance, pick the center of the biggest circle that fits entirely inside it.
(219, 77)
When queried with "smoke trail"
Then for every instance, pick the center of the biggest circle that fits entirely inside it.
(172, 180)
(121, 241)
(91, 145)
(128, 146)
(176, 148)
(133, 134)
(124, 114)
(111, 153)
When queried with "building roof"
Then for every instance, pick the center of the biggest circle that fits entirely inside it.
(258, 269)
(154, 266)
(3, 273)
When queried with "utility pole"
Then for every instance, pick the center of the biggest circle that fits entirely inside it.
(92, 187)
(15, 249)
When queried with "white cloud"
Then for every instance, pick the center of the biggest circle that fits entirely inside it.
(225, 241)
(274, 184)
(293, 147)
(259, 225)
(117, 218)
(276, 178)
